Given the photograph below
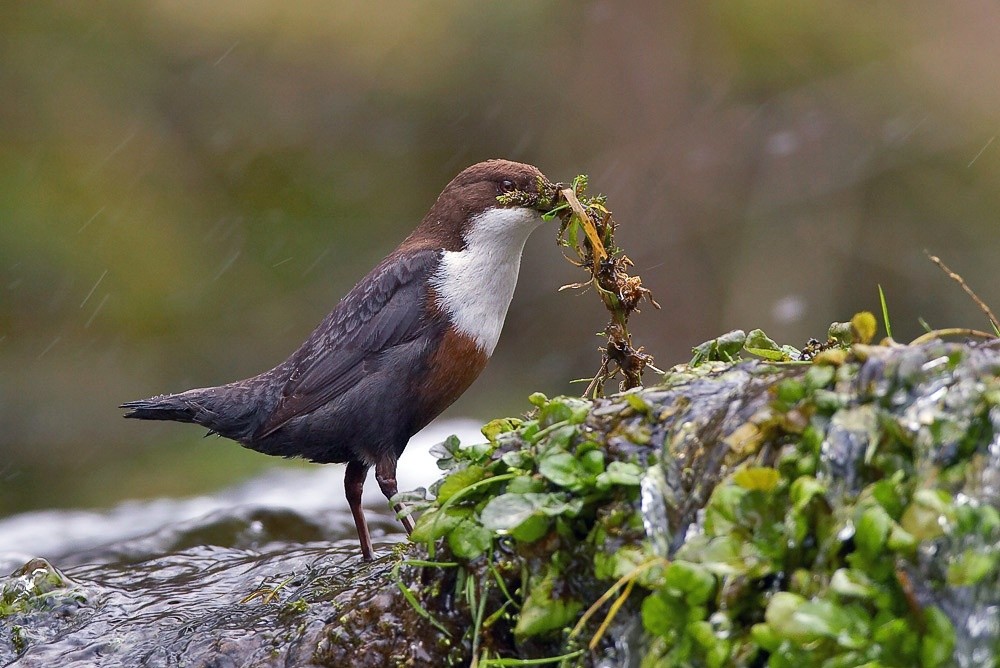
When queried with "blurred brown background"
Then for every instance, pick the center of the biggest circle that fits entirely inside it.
(186, 188)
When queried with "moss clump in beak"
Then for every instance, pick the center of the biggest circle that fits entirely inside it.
(543, 198)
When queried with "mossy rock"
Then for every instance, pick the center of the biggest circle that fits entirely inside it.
(838, 513)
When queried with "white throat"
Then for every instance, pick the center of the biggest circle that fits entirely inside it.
(474, 286)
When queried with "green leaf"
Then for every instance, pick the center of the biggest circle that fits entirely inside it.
(900, 540)
(791, 391)
(887, 493)
(523, 484)
(780, 610)
(725, 348)
(477, 452)
(508, 511)
(494, 428)
(760, 344)
(926, 516)
(970, 567)
(447, 452)
(724, 555)
(537, 399)
(573, 233)
(757, 478)
(563, 469)
(517, 459)
(469, 539)
(532, 529)
(804, 490)
(504, 512)
(871, 531)
(765, 636)
(459, 480)
(558, 435)
(720, 514)
(637, 403)
(691, 580)
(819, 376)
(555, 505)
(794, 618)
(592, 461)
(937, 648)
(620, 473)
(619, 563)
(892, 631)
(436, 523)
(662, 615)
(542, 611)
(571, 410)
(852, 583)
(791, 352)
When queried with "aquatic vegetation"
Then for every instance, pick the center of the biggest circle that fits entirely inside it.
(36, 592)
(832, 513)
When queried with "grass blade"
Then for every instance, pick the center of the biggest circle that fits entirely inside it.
(885, 312)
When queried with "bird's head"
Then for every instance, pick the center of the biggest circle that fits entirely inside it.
(495, 198)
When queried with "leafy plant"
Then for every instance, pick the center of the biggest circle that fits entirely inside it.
(808, 547)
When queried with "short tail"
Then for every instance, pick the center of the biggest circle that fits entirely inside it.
(230, 410)
(175, 407)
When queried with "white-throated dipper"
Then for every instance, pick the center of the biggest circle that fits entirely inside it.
(404, 343)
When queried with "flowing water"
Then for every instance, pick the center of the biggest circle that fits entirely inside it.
(199, 581)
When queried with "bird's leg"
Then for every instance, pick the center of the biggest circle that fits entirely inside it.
(354, 483)
(385, 474)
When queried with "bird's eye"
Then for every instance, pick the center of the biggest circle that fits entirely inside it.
(506, 186)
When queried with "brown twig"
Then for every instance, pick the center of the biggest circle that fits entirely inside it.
(619, 292)
(969, 291)
(951, 331)
(599, 378)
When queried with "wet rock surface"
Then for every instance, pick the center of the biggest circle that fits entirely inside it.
(201, 606)
(257, 575)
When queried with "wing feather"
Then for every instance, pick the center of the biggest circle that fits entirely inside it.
(384, 310)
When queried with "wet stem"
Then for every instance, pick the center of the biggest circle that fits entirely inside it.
(609, 279)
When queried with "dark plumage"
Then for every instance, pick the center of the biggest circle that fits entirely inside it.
(399, 348)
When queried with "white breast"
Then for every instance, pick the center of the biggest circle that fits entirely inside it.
(474, 286)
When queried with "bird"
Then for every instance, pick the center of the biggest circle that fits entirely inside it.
(400, 347)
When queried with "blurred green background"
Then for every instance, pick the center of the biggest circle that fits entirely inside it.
(186, 188)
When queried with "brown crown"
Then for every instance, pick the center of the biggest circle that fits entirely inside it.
(472, 192)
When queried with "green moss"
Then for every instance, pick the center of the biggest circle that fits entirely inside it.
(829, 521)
(34, 601)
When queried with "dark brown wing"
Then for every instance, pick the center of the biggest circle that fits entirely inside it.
(384, 310)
